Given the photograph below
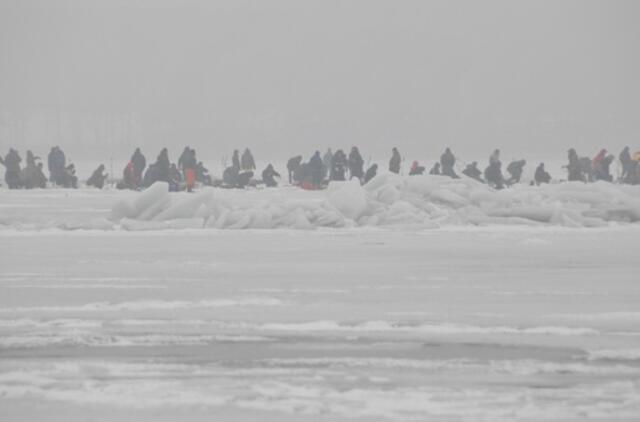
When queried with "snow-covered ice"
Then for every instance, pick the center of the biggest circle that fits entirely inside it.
(413, 299)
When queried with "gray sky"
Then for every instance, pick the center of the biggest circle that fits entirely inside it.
(285, 77)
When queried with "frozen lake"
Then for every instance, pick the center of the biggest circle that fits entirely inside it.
(491, 323)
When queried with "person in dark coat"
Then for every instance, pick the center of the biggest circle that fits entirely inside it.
(574, 168)
(447, 162)
(416, 169)
(57, 163)
(339, 166)
(202, 174)
(356, 164)
(269, 176)
(371, 173)
(493, 174)
(292, 165)
(189, 166)
(247, 163)
(184, 157)
(163, 165)
(98, 177)
(541, 176)
(435, 170)
(69, 178)
(515, 169)
(316, 170)
(626, 162)
(139, 164)
(395, 161)
(473, 172)
(13, 171)
(602, 169)
(32, 175)
(235, 160)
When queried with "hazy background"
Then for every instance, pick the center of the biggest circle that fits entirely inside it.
(286, 77)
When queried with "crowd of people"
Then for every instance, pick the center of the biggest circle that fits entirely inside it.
(313, 174)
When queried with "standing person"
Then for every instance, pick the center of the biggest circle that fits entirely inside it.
(447, 162)
(13, 172)
(626, 162)
(186, 153)
(493, 174)
(292, 166)
(494, 158)
(327, 161)
(315, 170)
(189, 165)
(574, 169)
(356, 164)
(162, 166)
(138, 162)
(339, 166)
(57, 163)
(235, 160)
(247, 162)
(395, 161)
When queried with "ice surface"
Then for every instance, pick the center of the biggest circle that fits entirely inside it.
(492, 323)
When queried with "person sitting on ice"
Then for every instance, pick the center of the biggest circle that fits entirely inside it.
(69, 178)
(292, 165)
(32, 174)
(473, 172)
(416, 169)
(515, 169)
(371, 173)
(339, 166)
(247, 163)
(356, 164)
(435, 170)
(541, 176)
(202, 174)
(447, 162)
(269, 176)
(494, 158)
(98, 177)
(128, 178)
(493, 175)
(395, 161)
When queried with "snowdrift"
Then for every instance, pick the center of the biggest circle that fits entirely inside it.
(387, 200)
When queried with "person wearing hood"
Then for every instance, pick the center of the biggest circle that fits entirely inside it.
(574, 169)
(32, 175)
(269, 176)
(494, 158)
(541, 176)
(416, 169)
(493, 175)
(473, 172)
(395, 161)
(626, 162)
(602, 170)
(371, 173)
(356, 164)
(235, 160)
(247, 163)
(515, 169)
(435, 170)
(57, 162)
(315, 170)
(139, 162)
(13, 171)
(447, 162)
(339, 166)
(98, 177)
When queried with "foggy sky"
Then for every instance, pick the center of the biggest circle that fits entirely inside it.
(287, 77)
